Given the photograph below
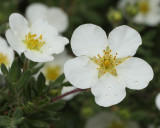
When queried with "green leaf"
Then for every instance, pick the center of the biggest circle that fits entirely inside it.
(15, 72)
(58, 82)
(5, 121)
(36, 69)
(67, 84)
(18, 113)
(55, 106)
(4, 69)
(39, 123)
(23, 80)
(41, 83)
(32, 64)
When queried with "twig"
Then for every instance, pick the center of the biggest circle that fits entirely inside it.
(68, 93)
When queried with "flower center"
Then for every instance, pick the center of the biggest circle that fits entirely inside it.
(3, 59)
(144, 7)
(52, 72)
(107, 63)
(33, 42)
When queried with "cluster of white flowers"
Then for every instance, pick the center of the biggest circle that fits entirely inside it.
(106, 65)
(148, 11)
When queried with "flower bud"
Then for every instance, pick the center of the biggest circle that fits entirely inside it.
(114, 16)
(131, 10)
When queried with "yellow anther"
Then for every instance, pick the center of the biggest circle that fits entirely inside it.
(32, 42)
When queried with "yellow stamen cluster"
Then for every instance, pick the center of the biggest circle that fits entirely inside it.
(52, 72)
(3, 59)
(144, 7)
(107, 63)
(34, 43)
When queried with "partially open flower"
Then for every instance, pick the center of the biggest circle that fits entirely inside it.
(106, 65)
(148, 10)
(6, 54)
(54, 15)
(38, 41)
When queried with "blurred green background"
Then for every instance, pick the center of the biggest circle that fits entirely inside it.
(138, 106)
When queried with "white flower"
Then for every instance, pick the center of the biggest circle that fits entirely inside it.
(148, 11)
(38, 41)
(109, 120)
(106, 65)
(53, 69)
(6, 54)
(54, 15)
(67, 89)
(157, 101)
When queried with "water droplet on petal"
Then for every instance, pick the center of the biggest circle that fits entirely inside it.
(136, 82)
(106, 95)
(109, 88)
(50, 48)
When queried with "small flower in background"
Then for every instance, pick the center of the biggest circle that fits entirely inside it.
(52, 70)
(109, 120)
(6, 54)
(157, 101)
(106, 65)
(38, 41)
(148, 10)
(54, 15)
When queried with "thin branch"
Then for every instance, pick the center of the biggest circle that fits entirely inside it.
(68, 93)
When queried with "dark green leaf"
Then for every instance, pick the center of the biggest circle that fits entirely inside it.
(15, 72)
(39, 123)
(55, 106)
(23, 80)
(41, 83)
(5, 121)
(58, 82)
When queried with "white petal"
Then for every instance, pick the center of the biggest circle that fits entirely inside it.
(38, 57)
(59, 43)
(18, 24)
(36, 11)
(3, 42)
(7, 51)
(67, 89)
(108, 91)
(89, 40)
(15, 42)
(61, 58)
(53, 42)
(122, 3)
(42, 27)
(58, 18)
(81, 72)
(135, 73)
(158, 101)
(124, 41)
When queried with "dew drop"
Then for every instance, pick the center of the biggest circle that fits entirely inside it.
(136, 82)
(109, 88)
(50, 48)
(106, 95)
